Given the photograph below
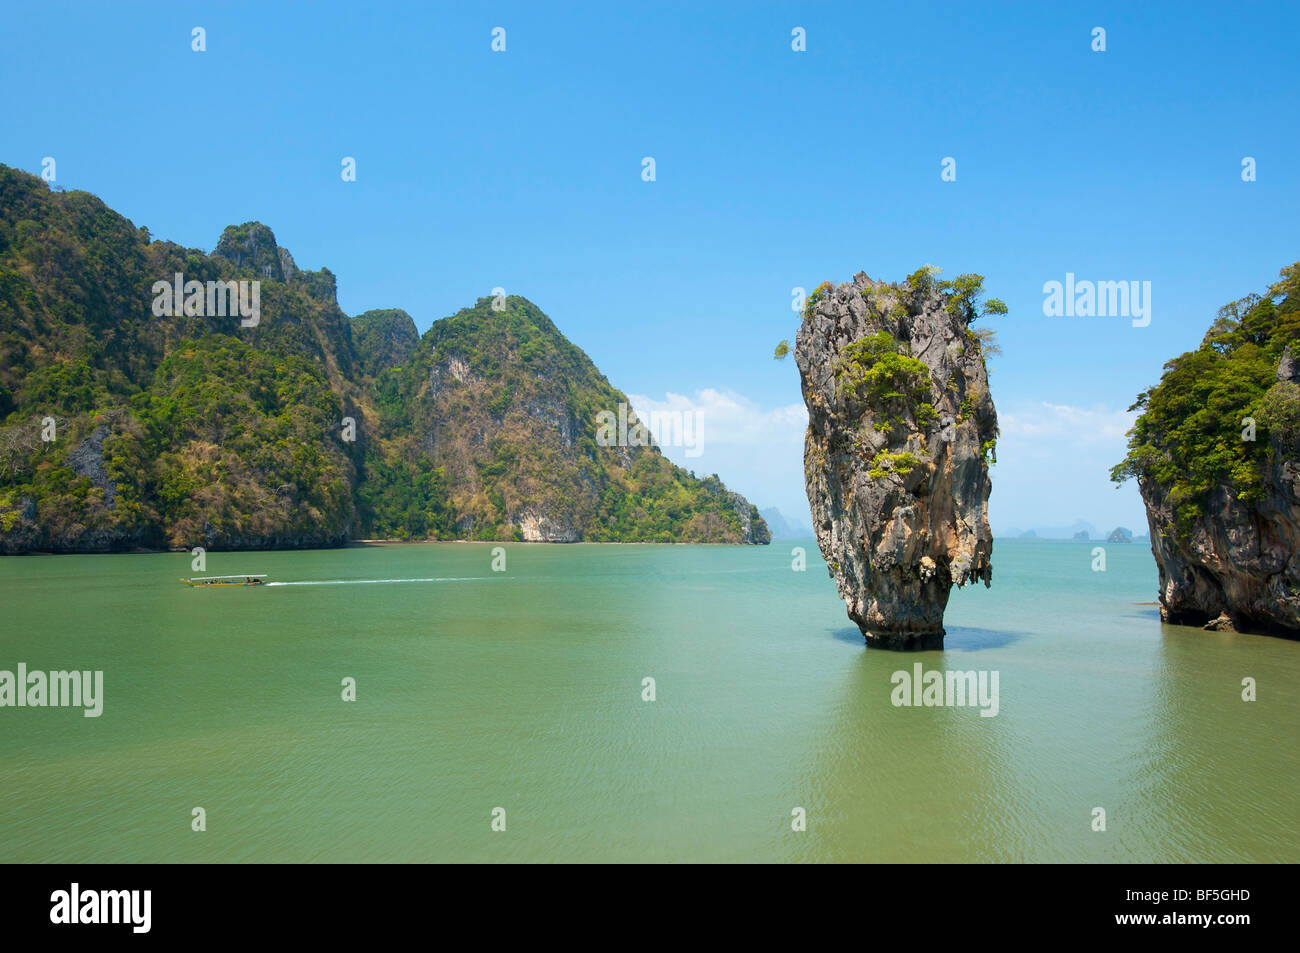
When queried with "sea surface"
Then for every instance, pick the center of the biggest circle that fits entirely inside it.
(523, 690)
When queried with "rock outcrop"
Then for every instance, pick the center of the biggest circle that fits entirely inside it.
(252, 248)
(1237, 568)
(753, 528)
(1216, 455)
(88, 461)
(901, 428)
(510, 412)
(383, 338)
(538, 528)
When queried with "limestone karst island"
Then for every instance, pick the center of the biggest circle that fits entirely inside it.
(1216, 455)
(901, 431)
(177, 427)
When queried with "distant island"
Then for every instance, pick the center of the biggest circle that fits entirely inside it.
(158, 397)
(1079, 530)
(783, 527)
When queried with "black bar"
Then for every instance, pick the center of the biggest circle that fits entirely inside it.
(335, 903)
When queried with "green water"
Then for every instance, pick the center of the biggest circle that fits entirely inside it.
(523, 690)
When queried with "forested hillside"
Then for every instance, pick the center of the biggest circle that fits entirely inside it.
(126, 425)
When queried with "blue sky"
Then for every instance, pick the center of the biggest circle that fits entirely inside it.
(775, 169)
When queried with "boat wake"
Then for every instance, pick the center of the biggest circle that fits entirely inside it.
(374, 582)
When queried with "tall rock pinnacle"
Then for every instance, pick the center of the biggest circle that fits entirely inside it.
(901, 429)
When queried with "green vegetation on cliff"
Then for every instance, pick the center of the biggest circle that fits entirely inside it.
(383, 339)
(880, 371)
(505, 408)
(121, 428)
(1194, 432)
(877, 370)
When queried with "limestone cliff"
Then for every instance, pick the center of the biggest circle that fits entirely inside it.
(506, 410)
(1237, 566)
(1216, 454)
(126, 426)
(901, 429)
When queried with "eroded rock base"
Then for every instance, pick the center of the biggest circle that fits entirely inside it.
(904, 641)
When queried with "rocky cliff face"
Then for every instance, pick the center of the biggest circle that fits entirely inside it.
(1216, 455)
(508, 410)
(901, 428)
(1238, 566)
(753, 527)
(307, 428)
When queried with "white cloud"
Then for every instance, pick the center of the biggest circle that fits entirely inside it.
(731, 419)
(1081, 424)
(1054, 465)
(756, 451)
